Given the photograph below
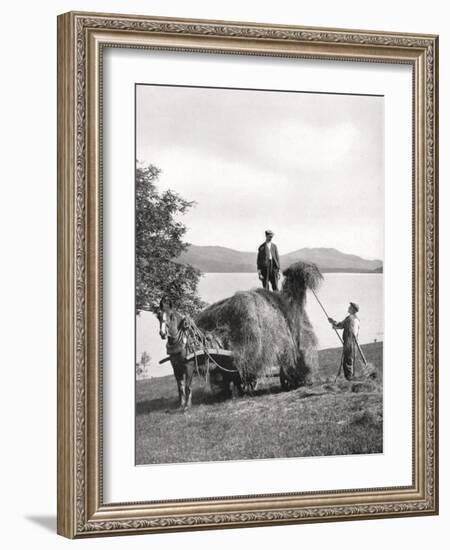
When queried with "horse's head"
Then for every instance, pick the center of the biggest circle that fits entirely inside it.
(165, 307)
(162, 318)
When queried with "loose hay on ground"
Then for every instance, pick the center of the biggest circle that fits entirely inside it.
(363, 387)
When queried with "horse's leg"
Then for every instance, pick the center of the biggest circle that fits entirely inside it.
(182, 391)
(189, 374)
(178, 370)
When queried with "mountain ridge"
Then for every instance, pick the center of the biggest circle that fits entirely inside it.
(220, 259)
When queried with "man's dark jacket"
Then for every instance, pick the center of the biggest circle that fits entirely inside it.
(263, 257)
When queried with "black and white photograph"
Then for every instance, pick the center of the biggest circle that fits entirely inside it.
(259, 234)
(224, 237)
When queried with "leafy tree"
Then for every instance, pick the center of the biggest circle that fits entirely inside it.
(139, 370)
(145, 360)
(141, 367)
(159, 241)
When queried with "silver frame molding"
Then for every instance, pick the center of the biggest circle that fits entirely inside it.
(81, 38)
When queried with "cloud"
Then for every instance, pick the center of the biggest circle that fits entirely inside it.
(309, 164)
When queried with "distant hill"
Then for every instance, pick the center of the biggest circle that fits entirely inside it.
(219, 259)
(330, 259)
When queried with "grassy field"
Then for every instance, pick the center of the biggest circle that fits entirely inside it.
(323, 419)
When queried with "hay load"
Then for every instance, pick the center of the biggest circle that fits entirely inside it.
(264, 329)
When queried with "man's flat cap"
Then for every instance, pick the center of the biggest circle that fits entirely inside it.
(354, 306)
(270, 232)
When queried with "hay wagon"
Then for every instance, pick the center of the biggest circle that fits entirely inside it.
(219, 364)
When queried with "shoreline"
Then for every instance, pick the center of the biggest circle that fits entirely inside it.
(325, 352)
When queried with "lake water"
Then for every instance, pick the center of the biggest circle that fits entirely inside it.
(336, 291)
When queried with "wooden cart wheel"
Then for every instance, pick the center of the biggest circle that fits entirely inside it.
(285, 386)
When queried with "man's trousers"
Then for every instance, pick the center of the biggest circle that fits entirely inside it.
(270, 274)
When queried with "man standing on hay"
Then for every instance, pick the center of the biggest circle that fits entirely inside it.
(350, 325)
(268, 262)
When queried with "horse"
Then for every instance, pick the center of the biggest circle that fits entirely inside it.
(223, 378)
(172, 325)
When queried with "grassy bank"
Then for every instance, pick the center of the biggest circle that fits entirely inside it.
(324, 419)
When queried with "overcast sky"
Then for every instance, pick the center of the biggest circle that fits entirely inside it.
(308, 166)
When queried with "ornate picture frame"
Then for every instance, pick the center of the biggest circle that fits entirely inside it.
(82, 38)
